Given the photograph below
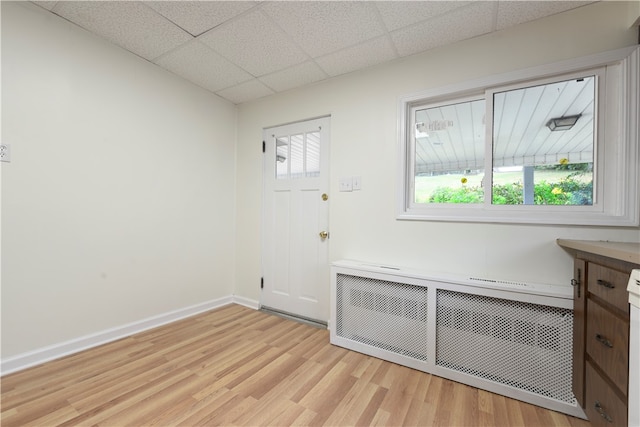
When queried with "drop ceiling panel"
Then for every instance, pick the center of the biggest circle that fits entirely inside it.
(462, 23)
(371, 52)
(516, 12)
(400, 14)
(274, 41)
(324, 27)
(49, 5)
(243, 92)
(196, 17)
(196, 62)
(296, 76)
(132, 25)
(245, 40)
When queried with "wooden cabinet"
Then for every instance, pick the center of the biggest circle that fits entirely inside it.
(608, 344)
(606, 407)
(601, 335)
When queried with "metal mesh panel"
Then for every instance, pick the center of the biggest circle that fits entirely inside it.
(522, 345)
(388, 315)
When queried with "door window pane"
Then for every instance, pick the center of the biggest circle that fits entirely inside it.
(313, 154)
(282, 158)
(298, 156)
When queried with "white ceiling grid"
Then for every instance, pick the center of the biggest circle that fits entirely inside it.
(244, 50)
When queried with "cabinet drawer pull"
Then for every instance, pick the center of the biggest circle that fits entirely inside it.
(604, 283)
(602, 413)
(602, 340)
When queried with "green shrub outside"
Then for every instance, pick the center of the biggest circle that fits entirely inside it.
(566, 192)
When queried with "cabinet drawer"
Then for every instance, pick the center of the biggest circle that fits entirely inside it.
(608, 344)
(603, 407)
(609, 284)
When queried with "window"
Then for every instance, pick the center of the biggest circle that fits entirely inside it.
(449, 138)
(543, 142)
(556, 144)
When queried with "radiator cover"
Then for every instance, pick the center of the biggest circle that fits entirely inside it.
(522, 345)
(383, 314)
(509, 338)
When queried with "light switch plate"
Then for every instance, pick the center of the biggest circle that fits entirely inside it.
(357, 183)
(5, 152)
(346, 184)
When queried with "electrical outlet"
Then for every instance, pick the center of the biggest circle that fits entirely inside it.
(5, 152)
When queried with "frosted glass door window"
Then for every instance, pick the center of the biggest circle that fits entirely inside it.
(298, 156)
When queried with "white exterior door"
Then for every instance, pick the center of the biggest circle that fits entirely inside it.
(295, 248)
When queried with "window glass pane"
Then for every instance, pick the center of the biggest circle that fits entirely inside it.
(543, 144)
(297, 155)
(449, 153)
(282, 157)
(313, 154)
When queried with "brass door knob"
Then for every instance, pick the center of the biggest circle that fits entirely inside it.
(323, 235)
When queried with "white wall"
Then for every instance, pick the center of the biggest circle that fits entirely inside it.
(118, 204)
(363, 108)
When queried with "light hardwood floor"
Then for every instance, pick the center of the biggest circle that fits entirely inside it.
(237, 366)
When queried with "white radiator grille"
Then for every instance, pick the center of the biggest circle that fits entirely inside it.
(383, 314)
(522, 345)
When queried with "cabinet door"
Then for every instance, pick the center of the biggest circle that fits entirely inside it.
(579, 327)
(608, 344)
(603, 406)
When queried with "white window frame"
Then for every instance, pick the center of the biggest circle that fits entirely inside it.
(616, 153)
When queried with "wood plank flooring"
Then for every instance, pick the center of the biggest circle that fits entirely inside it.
(237, 366)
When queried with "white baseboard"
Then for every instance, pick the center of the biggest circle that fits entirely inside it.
(56, 351)
(250, 303)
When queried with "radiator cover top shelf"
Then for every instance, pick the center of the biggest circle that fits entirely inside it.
(476, 281)
(505, 337)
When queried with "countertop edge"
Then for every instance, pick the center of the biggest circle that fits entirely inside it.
(623, 251)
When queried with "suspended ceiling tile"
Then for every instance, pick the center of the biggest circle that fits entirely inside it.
(324, 27)
(460, 24)
(199, 64)
(341, 36)
(296, 76)
(369, 53)
(253, 89)
(254, 43)
(196, 17)
(398, 14)
(49, 5)
(132, 25)
(516, 12)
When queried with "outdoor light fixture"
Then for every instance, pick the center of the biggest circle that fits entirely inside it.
(563, 123)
